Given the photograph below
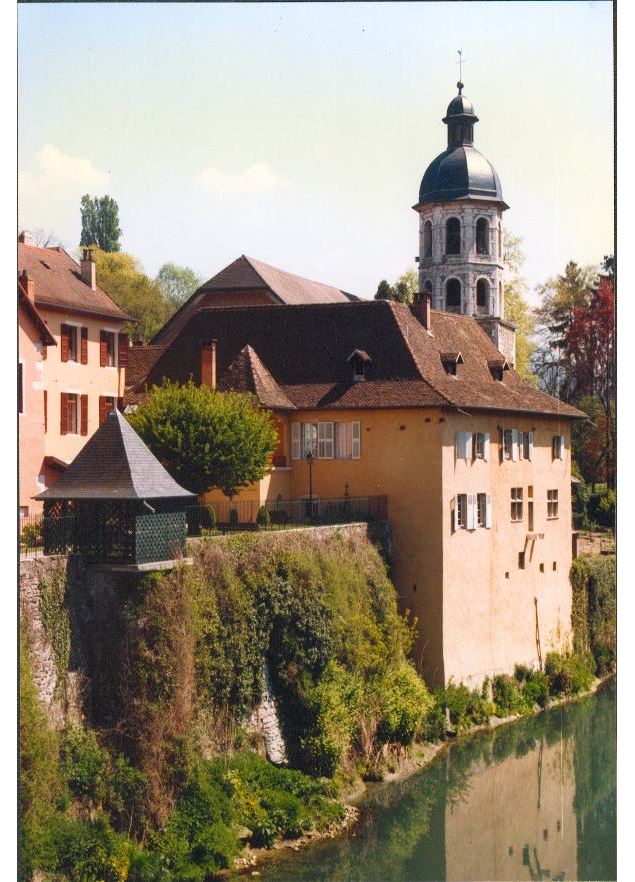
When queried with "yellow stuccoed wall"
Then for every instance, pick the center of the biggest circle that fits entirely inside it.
(472, 620)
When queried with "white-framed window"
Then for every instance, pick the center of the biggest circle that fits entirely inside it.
(481, 445)
(481, 509)
(510, 444)
(72, 413)
(552, 504)
(527, 444)
(517, 503)
(107, 357)
(461, 511)
(557, 447)
(68, 348)
(471, 510)
(326, 440)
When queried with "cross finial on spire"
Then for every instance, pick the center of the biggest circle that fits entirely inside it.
(460, 63)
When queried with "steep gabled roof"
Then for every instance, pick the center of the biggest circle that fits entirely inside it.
(247, 373)
(306, 349)
(115, 464)
(140, 361)
(248, 274)
(58, 283)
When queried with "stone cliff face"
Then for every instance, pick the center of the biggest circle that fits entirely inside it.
(264, 719)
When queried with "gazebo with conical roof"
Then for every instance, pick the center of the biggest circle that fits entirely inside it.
(116, 504)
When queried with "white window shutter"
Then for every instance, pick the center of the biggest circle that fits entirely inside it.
(514, 445)
(521, 439)
(470, 511)
(457, 442)
(486, 446)
(295, 440)
(531, 444)
(561, 446)
(357, 440)
(469, 445)
(488, 511)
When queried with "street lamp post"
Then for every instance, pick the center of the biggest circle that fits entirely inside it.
(309, 462)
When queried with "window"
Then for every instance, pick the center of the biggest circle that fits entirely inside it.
(509, 444)
(427, 239)
(463, 445)
(481, 445)
(453, 295)
(557, 447)
(481, 509)
(521, 560)
(528, 444)
(517, 503)
(20, 388)
(106, 405)
(552, 504)
(71, 410)
(68, 349)
(359, 368)
(326, 440)
(106, 349)
(461, 510)
(482, 236)
(482, 297)
(453, 236)
(427, 289)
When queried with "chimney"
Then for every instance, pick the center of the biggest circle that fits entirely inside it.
(28, 285)
(25, 238)
(208, 364)
(422, 309)
(88, 271)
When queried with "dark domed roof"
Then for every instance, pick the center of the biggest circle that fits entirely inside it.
(458, 173)
(460, 106)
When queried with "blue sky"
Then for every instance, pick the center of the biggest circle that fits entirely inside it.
(298, 133)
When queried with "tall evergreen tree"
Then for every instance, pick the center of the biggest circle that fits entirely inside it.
(100, 223)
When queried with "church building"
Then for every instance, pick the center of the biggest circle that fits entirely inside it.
(419, 404)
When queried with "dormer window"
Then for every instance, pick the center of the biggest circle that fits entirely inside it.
(359, 362)
(450, 360)
(497, 368)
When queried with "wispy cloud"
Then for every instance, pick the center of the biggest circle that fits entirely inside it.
(256, 178)
(57, 173)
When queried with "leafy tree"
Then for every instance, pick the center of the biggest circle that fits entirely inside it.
(177, 282)
(100, 223)
(120, 275)
(517, 310)
(560, 296)
(404, 289)
(206, 439)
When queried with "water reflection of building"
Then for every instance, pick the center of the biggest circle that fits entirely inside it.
(516, 819)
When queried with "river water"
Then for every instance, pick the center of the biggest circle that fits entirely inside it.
(530, 800)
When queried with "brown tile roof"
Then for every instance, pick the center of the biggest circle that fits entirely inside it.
(45, 335)
(249, 274)
(58, 283)
(306, 349)
(247, 373)
(140, 361)
(115, 464)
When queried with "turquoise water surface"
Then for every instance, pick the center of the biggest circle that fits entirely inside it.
(530, 800)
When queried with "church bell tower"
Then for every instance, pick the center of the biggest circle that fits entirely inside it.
(460, 210)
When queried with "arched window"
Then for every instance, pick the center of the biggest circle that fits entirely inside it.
(453, 295)
(453, 236)
(482, 297)
(482, 236)
(427, 239)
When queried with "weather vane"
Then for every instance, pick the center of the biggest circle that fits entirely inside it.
(460, 63)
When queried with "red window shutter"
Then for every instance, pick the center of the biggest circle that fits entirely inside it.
(46, 415)
(102, 409)
(84, 353)
(84, 414)
(123, 350)
(103, 349)
(64, 413)
(64, 342)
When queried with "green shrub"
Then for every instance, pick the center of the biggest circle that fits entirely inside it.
(31, 535)
(212, 521)
(85, 765)
(467, 707)
(602, 508)
(332, 706)
(604, 657)
(521, 672)
(507, 696)
(568, 675)
(405, 703)
(89, 851)
(536, 689)
(263, 519)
